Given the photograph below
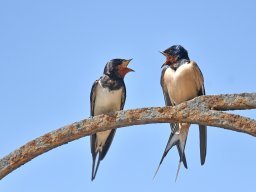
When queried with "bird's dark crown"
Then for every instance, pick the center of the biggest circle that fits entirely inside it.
(177, 51)
(111, 68)
(111, 78)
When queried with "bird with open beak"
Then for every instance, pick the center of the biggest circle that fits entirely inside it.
(181, 80)
(108, 94)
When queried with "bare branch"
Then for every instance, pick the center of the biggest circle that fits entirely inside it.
(201, 110)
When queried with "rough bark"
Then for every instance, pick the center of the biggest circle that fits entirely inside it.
(203, 110)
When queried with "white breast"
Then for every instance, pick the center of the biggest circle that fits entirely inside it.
(181, 84)
(106, 100)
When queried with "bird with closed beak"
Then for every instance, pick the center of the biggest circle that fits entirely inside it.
(108, 94)
(181, 80)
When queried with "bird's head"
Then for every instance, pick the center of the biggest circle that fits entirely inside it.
(117, 68)
(174, 53)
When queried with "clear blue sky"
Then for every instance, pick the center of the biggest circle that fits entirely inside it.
(52, 51)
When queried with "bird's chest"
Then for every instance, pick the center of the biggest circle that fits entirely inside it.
(180, 83)
(107, 100)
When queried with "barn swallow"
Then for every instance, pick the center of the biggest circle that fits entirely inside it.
(181, 80)
(108, 94)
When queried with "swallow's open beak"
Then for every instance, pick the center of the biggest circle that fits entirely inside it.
(125, 65)
(123, 69)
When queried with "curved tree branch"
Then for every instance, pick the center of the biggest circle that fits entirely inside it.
(201, 110)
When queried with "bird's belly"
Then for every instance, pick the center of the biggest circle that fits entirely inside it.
(107, 101)
(183, 90)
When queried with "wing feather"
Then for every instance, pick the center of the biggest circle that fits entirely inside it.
(202, 128)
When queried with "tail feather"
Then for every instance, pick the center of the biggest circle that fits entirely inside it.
(174, 139)
(203, 142)
(178, 170)
(94, 171)
(93, 164)
(182, 156)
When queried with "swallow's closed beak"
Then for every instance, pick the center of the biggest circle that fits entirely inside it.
(165, 56)
(163, 53)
